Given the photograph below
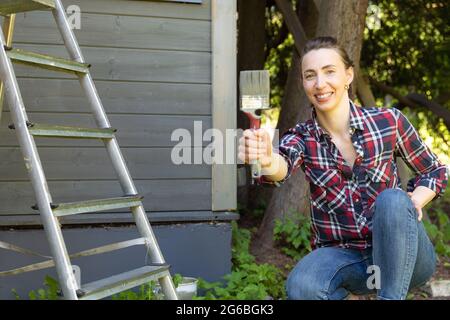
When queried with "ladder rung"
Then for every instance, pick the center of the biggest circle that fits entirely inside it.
(46, 130)
(46, 61)
(14, 6)
(121, 282)
(65, 209)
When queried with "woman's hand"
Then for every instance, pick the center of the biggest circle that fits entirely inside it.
(417, 205)
(255, 144)
(420, 197)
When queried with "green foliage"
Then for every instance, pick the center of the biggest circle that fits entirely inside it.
(15, 294)
(405, 45)
(146, 291)
(278, 54)
(248, 280)
(50, 292)
(278, 61)
(433, 132)
(294, 236)
(260, 208)
(177, 279)
(240, 251)
(438, 228)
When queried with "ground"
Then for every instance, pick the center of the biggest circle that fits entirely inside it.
(285, 263)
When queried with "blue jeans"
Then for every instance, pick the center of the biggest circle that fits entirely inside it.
(400, 248)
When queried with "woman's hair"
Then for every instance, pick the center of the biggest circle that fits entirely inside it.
(329, 43)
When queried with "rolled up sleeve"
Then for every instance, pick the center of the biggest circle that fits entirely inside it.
(429, 171)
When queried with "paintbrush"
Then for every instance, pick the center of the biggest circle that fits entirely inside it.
(254, 86)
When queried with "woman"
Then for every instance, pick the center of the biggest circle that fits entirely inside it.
(367, 232)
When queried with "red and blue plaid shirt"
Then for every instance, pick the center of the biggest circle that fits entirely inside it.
(342, 198)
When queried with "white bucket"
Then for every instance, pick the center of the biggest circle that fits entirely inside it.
(185, 290)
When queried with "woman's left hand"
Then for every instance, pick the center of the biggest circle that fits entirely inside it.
(420, 197)
(417, 205)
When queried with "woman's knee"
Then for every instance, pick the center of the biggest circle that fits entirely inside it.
(315, 276)
(390, 203)
(304, 286)
(393, 197)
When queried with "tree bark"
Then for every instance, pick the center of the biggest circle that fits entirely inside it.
(364, 92)
(343, 19)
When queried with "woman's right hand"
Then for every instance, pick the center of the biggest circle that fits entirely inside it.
(255, 144)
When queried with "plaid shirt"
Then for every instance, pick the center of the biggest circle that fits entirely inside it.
(342, 198)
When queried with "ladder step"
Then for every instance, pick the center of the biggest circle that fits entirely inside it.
(65, 209)
(14, 6)
(121, 282)
(46, 62)
(46, 130)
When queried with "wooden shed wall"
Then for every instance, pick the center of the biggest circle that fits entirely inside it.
(151, 62)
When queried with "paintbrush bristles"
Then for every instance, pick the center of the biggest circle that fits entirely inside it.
(254, 82)
(254, 88)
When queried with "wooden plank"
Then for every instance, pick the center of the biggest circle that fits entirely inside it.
(132, 130)
(121, 218)
(159, 195)
(93, 163)
(130, 64)
(13, 6)
(224, 176)
(47, 62)
(144, 8)
(119, 31)
(181, 1)
(56, 95)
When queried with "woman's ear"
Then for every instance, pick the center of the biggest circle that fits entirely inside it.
(350, 74)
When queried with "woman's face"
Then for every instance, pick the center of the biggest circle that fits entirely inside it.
(324, 78)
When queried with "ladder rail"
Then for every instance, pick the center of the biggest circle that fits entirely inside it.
(102, 121)
(8, 27)
(25, 132)
(112, 146)
(93, 97)
(37, 176)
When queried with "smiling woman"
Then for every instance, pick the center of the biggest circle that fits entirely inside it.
(326, 72)
(327, 75)
(361, 218)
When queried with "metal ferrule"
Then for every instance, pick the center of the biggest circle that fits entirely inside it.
(254, 102)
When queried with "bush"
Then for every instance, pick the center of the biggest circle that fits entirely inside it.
(438, 227)
(248, 280)
(293, 235)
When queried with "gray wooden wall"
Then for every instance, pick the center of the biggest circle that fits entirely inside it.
(183, 245)
(151, 62)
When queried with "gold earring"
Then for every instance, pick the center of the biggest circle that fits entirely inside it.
(346, 87)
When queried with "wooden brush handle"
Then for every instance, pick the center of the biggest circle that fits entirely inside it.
(255, 123)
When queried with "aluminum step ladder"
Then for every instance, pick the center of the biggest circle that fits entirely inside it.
(49, 211)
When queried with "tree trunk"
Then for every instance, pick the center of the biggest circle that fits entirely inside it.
(364, 92)
(343, 19)
(251, 56)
